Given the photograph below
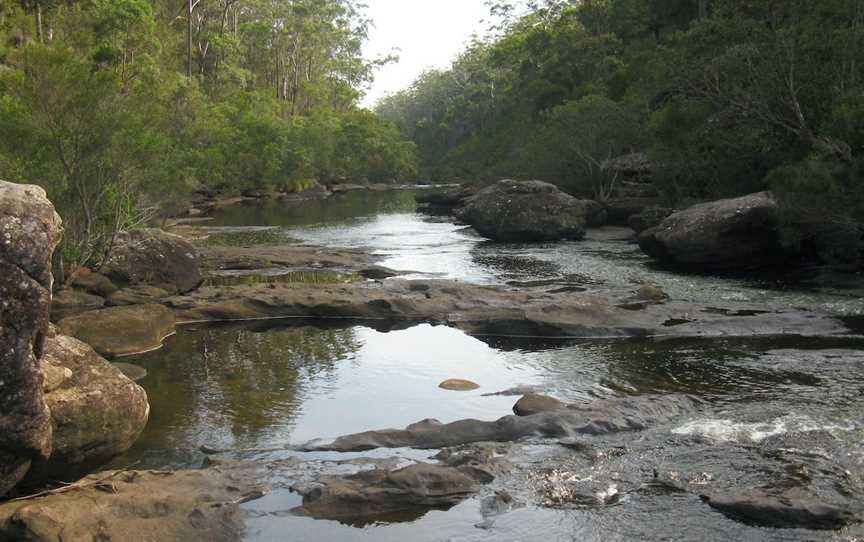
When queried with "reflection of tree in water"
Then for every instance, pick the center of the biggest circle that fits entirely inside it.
(236, 385)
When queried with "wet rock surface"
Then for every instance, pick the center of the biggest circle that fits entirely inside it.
(534, 403)
(458, 384)
(765, 510)
(595, 418)
(136, 506)
(96, 412)
(525, 211)
(29, 231)
(378, 491)
(490, 310)
(730, 234)
(120, 331)
(153, 257)
(69, 302)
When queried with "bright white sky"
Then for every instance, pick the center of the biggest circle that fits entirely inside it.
(428, 34)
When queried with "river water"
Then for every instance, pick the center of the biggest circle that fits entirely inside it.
(262, 386)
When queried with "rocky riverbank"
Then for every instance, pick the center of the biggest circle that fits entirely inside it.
(164, 280)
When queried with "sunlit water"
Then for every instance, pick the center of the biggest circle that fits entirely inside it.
(256, 388)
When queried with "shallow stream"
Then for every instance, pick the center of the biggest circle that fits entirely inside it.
(260, 387)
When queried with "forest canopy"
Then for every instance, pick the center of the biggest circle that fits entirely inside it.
(120, 108)
(726, 97)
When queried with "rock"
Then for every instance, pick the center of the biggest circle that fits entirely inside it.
(489, 310)
(457, 384)
(533, 403)
(619, 210)
(69, 302)
(96, 413)
(378, 491)
(730, 234)
(155, 258)
(120, 331)
(757, 507)
(648, 218)
(137, 295)
(132, 372)
(525, 211)
(650, 292)
(595, 418)
(136, 506)
(595, 214)
(444, 201)
(29, 231)
(94, 283)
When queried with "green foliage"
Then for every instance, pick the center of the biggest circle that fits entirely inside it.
(727, 97)
(96, 107)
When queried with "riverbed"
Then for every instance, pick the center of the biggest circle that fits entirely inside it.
(258, 388)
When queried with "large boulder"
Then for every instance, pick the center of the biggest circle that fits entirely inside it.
(729, 234)
(96, 411)
(514, 211)
(153, 257)
(29, 231)
(121, 331)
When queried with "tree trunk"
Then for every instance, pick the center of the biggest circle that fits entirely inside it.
(39, 33)
(189, 38)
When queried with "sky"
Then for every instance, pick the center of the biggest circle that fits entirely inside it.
(428, 34)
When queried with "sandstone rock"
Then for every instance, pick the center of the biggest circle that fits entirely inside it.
(96, 412)
(534, 404)
(120, 331)
(380, 491)
(756, 507)
(68, 302)
(131, 371)
(444, 201)
(730, 234)
(457, 384)
(156, 258)
(137, 295)
(595, 418)
(619, 210)
(29, 231)
(525, 211)
(651, 292)
(595, 213)
(648, 218)
(94, 283)
(136, 506)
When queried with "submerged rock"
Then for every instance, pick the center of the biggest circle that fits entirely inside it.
(378, 491)
(757, 507)
(534, 403)
(96, 411)
(729, 234)
(153, 257)
(525, 211)
(29, 231)
(457, 384)
(120, 331)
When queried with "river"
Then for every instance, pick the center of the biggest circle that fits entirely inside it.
(261, 386)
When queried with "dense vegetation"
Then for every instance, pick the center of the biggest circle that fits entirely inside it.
(726, 96)
(120, 108)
